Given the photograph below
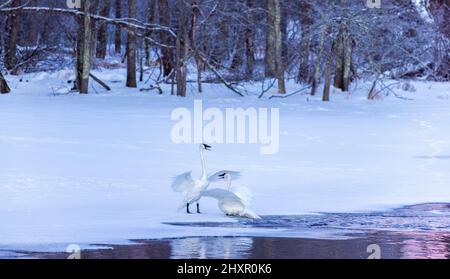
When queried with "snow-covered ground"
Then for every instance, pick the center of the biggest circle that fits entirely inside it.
(97, 168)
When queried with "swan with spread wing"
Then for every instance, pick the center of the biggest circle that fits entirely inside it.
(191, 190)
(232, 203)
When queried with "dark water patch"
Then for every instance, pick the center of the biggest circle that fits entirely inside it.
(391, 245)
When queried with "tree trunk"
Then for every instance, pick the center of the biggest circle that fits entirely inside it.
(33, 31)
(182, 45)
(339, 72)
(284, 30)
(4, 88)
(270, 55)
(79, 52)
(306, 21)
(94, 11)
(239, 52)
(12, 32)
(118, 32)
(102, 35)
(318, 66)
(327, 86)
(348, 53)
(195, 13)
(131, 49)
(249, 43)
(150, 20)
(167, 58)
(279, 48)
(85, 46)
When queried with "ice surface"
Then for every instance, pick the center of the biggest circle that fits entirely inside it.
(97, 168)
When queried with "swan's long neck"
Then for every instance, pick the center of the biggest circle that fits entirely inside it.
(229, 182)
(204, 173)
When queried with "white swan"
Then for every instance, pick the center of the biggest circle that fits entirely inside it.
(190, 189)
(233, 203)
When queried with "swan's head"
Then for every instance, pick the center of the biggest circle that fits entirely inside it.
(205, 147)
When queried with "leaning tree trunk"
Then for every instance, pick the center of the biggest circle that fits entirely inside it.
(12, 32)
(131, 49)
(118, 31)
(167, 58)
(4, 88)
(102, 35)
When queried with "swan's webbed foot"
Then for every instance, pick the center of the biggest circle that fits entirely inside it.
(198, 209)
(187, 209)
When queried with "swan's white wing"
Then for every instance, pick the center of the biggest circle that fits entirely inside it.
(220, 194)
(182, 182)
(220, 175)
(244, 194)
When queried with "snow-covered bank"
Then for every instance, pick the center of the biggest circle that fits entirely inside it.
(97, 168)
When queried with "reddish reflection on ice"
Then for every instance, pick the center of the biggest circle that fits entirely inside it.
(428, 245)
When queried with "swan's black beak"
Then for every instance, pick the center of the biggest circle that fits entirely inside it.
(207, 147)
(222, 176)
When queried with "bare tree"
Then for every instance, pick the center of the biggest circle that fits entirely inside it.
(182, 49)
(271, 40)
(84, 47)
(305, 43)
(249, 41)
(167, 58)
(118, 32)
(326, 88)
(195, 13)
(12, 33)
(151, 20)
(33, 30)
(339, 71)
(131, 48)
(318, 65)
(279, 49)
(102, 34)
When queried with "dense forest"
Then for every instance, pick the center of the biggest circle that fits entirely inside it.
(330, 42)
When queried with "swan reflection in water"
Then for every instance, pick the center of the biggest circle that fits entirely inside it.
(211, 247)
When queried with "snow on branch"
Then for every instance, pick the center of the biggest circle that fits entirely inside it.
(7, 3)
(422, 8)
(135, 26)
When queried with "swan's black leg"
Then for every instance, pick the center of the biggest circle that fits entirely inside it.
(198, 208)
(187, 209)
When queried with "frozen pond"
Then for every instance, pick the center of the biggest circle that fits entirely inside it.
(420, 231)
